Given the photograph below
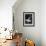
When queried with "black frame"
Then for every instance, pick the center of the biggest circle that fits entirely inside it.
(29, 19)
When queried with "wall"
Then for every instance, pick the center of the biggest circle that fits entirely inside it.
(6, 13)
(32, 33)
(43, 22)
(6, 17)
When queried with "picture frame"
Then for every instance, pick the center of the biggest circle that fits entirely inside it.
(29, 19)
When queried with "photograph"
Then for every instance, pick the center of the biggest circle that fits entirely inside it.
(28, 18)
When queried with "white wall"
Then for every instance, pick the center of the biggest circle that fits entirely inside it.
(32, 33)
(6, 13)
(43, 22)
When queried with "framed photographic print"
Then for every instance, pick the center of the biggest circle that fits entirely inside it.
(28, 19)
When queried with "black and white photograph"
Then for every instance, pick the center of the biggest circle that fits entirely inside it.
(28, 19)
